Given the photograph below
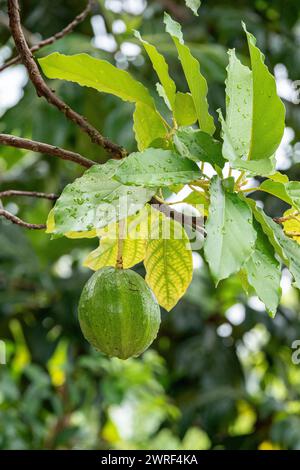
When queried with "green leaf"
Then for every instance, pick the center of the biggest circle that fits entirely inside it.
(288, 192)
(264, 167)
(199, 146)
(95, 73)
(168, 261)
(96, 200)
(238, 108)
(230, 234)
(196, 82)
(194, 5)
(286, 248)
(277, 176)
(293, 191)
(161, 92)
(146, 126)
(105, 77)
(161, 68)
(264, 272)
(276, 189)
(156, 167)
(268, 119)
(199, 201)
(184, 112)
(255, 115)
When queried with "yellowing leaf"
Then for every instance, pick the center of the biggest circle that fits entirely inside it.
(50, 224)
(106, 254)
(292, 225)
(57, 364)
(51, 229)
(168, 261)
(134, 243)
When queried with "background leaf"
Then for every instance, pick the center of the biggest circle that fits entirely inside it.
(194, 5)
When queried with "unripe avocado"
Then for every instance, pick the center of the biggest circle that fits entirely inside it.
(118, 313)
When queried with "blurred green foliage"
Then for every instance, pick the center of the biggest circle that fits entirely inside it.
(215, 378)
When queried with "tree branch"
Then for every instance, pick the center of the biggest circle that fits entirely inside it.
(18, 142)
(42, 88)
(46, 42)
(20, 222)
(14, 192)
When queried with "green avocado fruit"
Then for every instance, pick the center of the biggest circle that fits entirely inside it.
(118, 313)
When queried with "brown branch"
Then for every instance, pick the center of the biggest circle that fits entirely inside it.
(46, 42)
(18, 142)
(192, 221)
(42, 88)
(14, 192)
(20, 222)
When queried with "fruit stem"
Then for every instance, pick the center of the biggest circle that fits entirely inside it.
(119, 263)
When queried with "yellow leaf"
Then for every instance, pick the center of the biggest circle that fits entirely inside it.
(51, 228)
(134, 243)
(292, 225)
(107, 252)
(50, 222)
(168, 261)
(57, 364)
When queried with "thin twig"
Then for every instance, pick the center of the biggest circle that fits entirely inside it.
(20, 222)
(34, 146)
(42, 88)
(193, 221)
(46, 42)
(14, 192)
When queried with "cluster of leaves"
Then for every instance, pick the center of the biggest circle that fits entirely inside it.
(240, 237)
